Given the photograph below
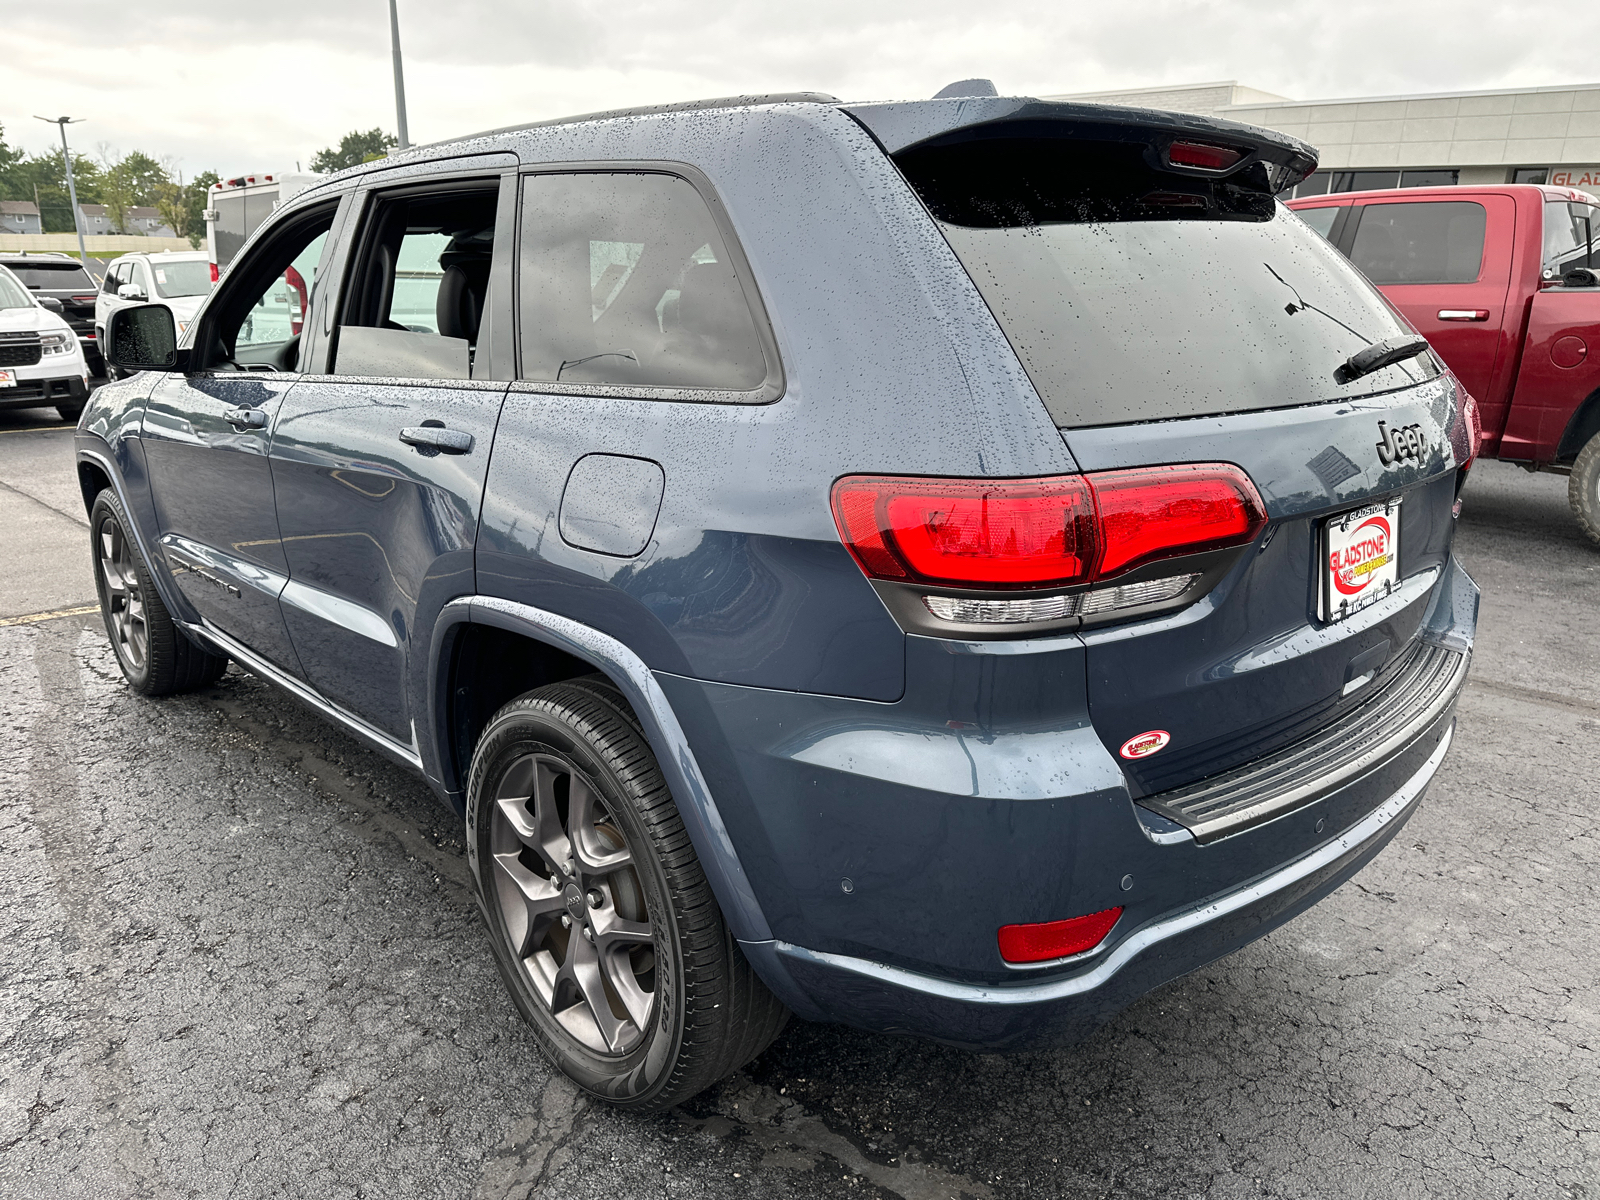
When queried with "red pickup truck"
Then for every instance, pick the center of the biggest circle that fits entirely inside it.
(1490, 276)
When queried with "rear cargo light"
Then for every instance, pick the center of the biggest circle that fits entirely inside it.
(1206, 157)
(1056, 939)
(1004, 534)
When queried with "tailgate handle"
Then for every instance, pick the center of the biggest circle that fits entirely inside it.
(432, 435)
(1463, 314)
(245, 418)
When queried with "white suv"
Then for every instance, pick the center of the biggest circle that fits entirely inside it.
(179, 280)
(41, 363)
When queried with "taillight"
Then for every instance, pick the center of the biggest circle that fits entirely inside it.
(991, 533)
(83, 299)
(214, 275)
(1004, 534)
(1161, 512)
(1466, 436)
(1056, 939)
(1203, 155)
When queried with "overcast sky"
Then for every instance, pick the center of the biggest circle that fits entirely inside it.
(256, 86)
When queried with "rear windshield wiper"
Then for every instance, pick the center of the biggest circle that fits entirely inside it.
(1379, 355)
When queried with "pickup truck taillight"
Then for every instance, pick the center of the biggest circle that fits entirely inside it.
(1053, 532)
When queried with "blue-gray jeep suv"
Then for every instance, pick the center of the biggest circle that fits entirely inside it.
(947, 567)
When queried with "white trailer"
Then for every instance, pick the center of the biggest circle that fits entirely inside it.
(236, 206)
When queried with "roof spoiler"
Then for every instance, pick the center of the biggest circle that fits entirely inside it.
(1266, 161)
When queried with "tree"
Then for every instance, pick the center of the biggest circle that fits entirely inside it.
(129, 180)
(182, 205)
(42, 178)
(354, 148)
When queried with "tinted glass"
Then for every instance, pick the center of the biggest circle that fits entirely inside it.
(1136, 311)
(1566, 236)
(1320, 219)
(185, 277)
(1363, 181)
(50, 275)
(1420, 243)
(12, 293)
(624, 280)
(1531, 175)
(1315, 184)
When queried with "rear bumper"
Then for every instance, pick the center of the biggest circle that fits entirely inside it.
(1070, 1007)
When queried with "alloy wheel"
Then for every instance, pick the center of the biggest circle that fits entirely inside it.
(125, 605)
(572, 903)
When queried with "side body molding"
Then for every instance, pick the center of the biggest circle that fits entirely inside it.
(628, 671)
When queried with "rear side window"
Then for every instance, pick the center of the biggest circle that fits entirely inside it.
(1568, 236)
(1320, 219)
(625, 281)
(1134, 294)
(1420, 243)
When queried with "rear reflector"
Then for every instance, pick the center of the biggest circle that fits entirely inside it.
(214, 275)
(1199, 154)
(1056, 939)
(1034, 533)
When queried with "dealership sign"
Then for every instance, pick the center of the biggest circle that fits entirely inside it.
(1576, 177)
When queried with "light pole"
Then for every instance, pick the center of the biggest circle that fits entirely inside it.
(399, 76)
(72, 188)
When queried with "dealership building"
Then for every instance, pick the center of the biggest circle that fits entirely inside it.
(1506, 135)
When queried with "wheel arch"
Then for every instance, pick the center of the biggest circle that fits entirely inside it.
(1581, 426)
(490, 646)
(97, 471)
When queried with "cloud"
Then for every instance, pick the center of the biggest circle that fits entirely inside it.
(218, 85)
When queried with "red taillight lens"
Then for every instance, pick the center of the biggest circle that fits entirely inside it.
(1198, 154)
(997, 533)
(214, 275)
(83, 299)
(1056, 939)
(1161, 512)
(1031, 533)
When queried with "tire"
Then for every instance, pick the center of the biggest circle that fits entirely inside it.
(1583, 489)
(156, 658)
(659, 1003)
(69, 412)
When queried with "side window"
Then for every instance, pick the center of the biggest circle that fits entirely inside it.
(1320, 219)
(141, 279)
(1420, 243)
(624, 280)
(267, 299)
(418, 286)
(1568, 237)
(109, 284)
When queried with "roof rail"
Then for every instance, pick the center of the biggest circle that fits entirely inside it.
(650, 110)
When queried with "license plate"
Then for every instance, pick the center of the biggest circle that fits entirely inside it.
(8, 378)
(1361, 559)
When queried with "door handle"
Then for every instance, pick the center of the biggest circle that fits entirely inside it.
(245, 418)
(1463, 314)
(437, 438)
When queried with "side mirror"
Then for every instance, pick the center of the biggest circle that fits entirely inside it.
(142, 338)
(50, 304)
(131, 291)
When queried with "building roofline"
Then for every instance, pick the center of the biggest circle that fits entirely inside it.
(1514, 91)
(1140, 91)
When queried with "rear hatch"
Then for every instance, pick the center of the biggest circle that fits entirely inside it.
(1168, 310)
(64, 280)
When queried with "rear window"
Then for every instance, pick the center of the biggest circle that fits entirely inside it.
(53, 276)
(1568, 237)
(1420, 243)
(183, 277)
(1132, 294)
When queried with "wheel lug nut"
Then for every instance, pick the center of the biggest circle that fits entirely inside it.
(588, 933)
(595, 898)
(566, 921)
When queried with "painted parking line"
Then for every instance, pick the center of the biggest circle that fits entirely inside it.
(53, 615)
(39, 429)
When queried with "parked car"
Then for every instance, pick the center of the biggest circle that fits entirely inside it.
(177, 279)
(68, 282)
(41, 364)
(1498, 280)
(926, 565)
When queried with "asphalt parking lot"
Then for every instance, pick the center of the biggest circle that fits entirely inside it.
(239, 958)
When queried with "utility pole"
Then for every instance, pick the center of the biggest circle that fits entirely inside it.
(399, 76)
(72, 188)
